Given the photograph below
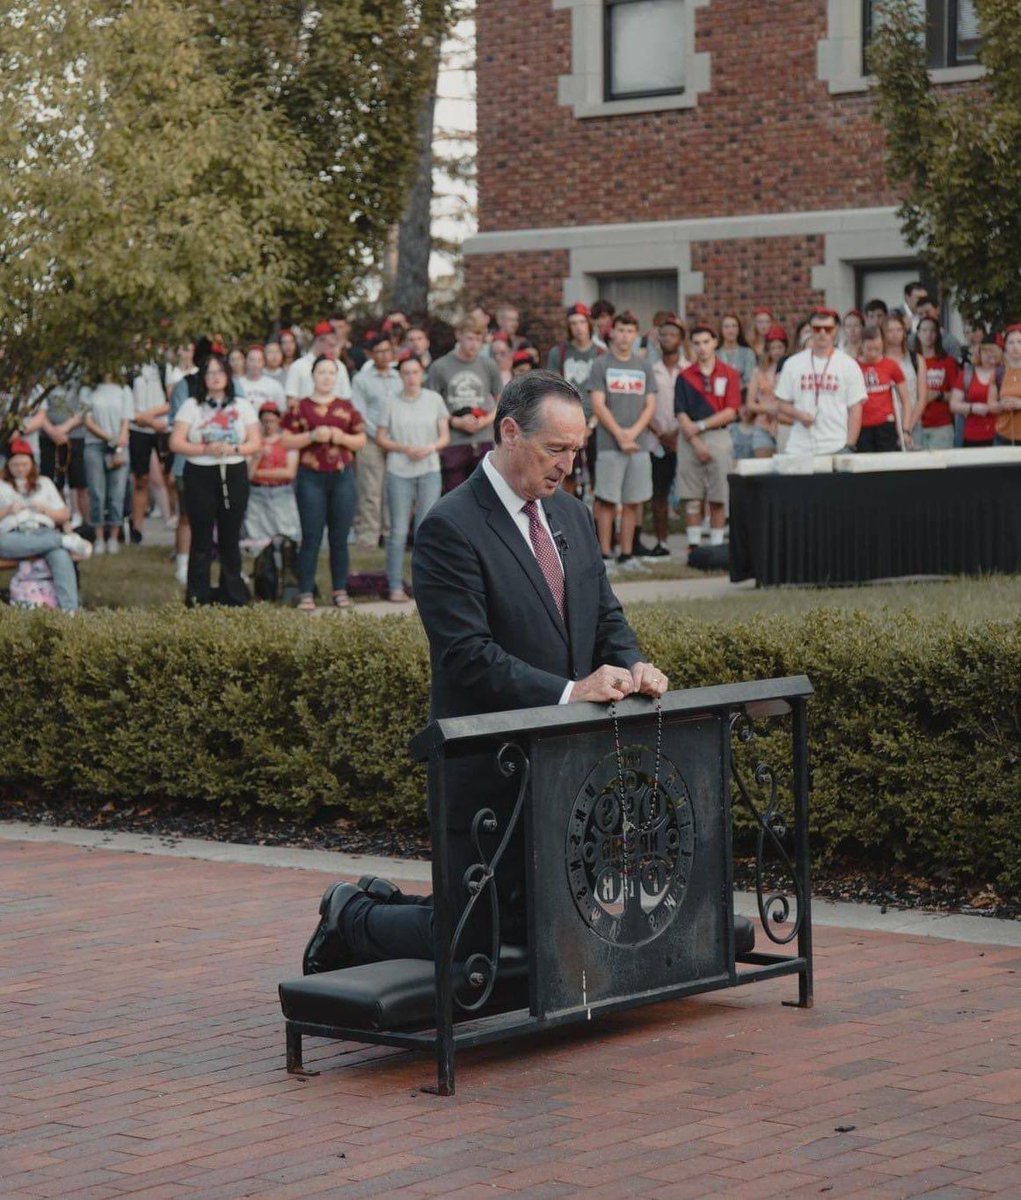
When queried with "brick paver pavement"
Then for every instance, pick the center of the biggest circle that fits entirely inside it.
(142, 1056)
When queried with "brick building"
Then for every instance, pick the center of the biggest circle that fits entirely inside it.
(701, 155)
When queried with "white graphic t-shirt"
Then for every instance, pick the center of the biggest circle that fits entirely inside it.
(213, 423)
(828, 388)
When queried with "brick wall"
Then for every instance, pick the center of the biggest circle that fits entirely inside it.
(531, 281)
(741, 273)
(766, 137)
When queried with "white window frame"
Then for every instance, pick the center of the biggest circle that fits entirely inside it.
(584, 90)
(839, 55)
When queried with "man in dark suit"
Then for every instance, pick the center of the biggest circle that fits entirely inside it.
(511, 588)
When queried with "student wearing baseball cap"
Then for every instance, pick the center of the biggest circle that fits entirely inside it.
(299, 384)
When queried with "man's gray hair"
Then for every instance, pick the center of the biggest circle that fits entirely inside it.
(521, 398)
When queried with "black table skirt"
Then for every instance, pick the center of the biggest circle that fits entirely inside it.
(843, 528)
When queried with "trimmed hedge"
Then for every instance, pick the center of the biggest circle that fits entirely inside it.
(915, 726)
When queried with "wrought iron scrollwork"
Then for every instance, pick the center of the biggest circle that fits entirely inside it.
(480, 970)
(774, 906)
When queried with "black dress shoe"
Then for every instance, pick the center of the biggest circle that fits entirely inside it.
(380, 889)
(326, 949)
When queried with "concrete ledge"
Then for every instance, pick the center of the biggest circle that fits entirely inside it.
(866, 917)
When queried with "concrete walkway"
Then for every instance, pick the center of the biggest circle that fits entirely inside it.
(866, 917)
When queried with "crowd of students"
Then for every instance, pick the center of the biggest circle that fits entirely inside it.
(268, 448)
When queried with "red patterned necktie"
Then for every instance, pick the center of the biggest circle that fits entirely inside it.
(545, 554)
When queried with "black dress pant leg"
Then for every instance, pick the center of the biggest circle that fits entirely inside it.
(202, 503)
(229, 522)
(374, 931)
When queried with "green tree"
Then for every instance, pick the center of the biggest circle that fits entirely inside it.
(346, 81)
(956, 160)
(168, 166)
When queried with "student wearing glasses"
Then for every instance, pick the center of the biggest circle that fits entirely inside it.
(822, 390)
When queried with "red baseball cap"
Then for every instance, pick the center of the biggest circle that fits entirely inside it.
(831, 313)
(776, 333)
(762, 308)
(674, 320)
(521, 356)
(322, 328)
(269, 406)
(579, 310)
(19, 446)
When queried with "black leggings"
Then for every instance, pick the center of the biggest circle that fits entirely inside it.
(207, 509)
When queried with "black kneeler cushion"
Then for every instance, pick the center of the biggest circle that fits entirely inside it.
(397, 994)
(401, 993)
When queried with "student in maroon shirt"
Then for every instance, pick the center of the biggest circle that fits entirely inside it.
(326, 431)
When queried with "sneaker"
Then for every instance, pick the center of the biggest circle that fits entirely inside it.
(99, 548)
(135, 535)
(171, 522)
(79, 548)
(660, 550)
(181, 571)
(113, 546)
(631, 565)
(611, 567)
(76, 520)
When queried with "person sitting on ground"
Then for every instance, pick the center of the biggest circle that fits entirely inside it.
(327, 431)
(412, 431)
(31, 513)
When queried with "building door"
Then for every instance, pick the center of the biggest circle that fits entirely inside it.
(877, 282)
(644, 294)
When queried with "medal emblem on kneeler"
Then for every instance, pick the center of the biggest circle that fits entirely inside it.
(630, 846)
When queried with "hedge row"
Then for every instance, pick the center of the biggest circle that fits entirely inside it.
(915, 726)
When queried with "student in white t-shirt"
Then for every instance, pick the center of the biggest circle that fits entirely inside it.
(216, 430)
(299, 383)
(259, 386)
(822, 389)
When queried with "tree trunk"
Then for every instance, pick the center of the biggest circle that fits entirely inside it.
(411, 287)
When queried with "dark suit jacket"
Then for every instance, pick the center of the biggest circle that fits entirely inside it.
(496, 639)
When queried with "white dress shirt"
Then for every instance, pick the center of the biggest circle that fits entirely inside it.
(515, 505)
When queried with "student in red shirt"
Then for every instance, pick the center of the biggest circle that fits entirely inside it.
(882, 423)
(976, 397)
(932, 423)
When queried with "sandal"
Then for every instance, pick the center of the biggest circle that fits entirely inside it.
(306, 604)
(341, 599)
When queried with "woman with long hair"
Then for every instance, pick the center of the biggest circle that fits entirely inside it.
(107, 408)
(31, 513)
(327, 432)
(735, 352)
(412, 432)
(976, 399)
(896, 335)
(931, 422)
(1008, 423)
(762, 405)
(215, 430)
(851, 330)
(289, 348)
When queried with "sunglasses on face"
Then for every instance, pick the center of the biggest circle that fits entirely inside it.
(823, 328)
